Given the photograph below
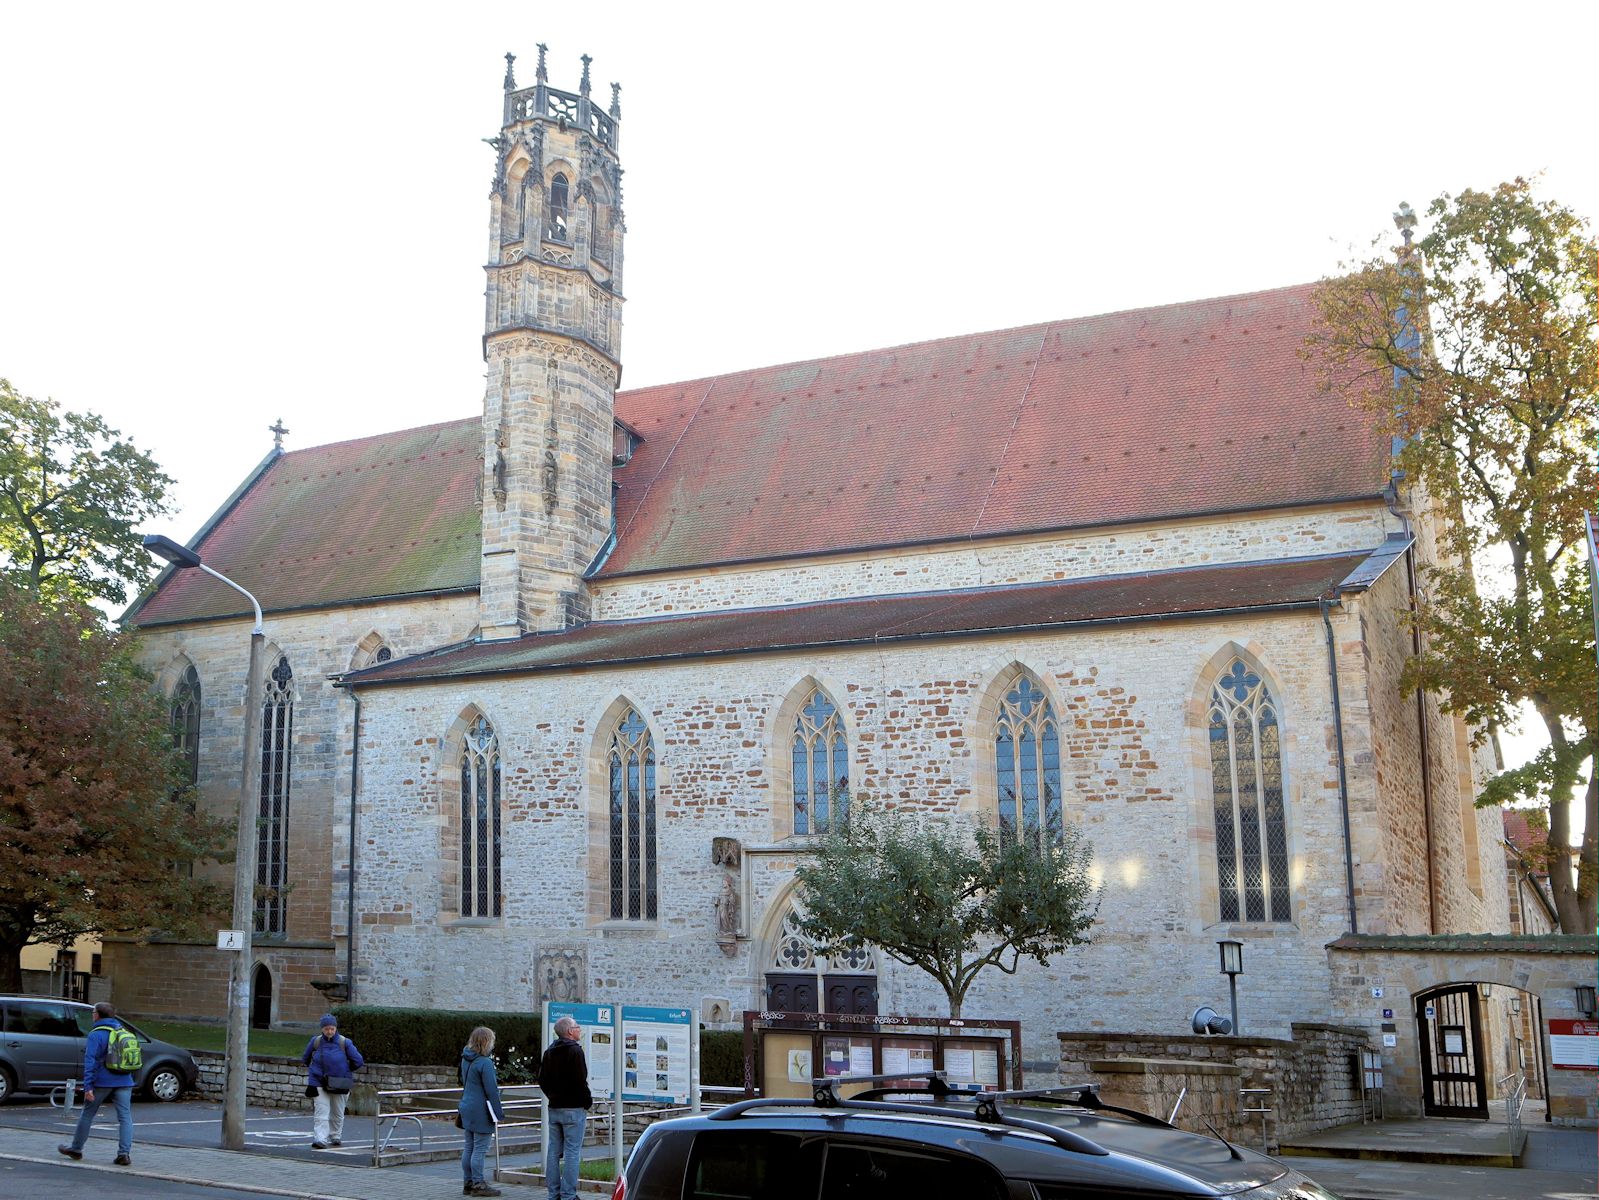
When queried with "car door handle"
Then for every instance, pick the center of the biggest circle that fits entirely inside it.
(13, 1045)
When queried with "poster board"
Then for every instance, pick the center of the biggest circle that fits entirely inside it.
(597, 1037)
(1574, 1045)
(658, 1059)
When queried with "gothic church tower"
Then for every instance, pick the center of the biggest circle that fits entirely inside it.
(552, 341)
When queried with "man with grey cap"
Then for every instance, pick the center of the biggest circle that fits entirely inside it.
(331, 1061)
(564, 1080)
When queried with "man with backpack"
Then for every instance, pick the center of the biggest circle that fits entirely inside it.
(110, 1057)
(331, 1061)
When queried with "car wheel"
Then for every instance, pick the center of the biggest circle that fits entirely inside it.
(8, 1085)
(165, 1083)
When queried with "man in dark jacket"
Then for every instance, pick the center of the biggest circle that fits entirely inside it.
(102, 1083)
(564, 1079)
(330, 1056)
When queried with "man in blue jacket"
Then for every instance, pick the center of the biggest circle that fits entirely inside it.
(100, 1084)
(331, 1061)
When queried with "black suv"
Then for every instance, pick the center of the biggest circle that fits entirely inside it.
(1057, 1144)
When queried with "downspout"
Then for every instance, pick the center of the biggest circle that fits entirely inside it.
(1425, 741)
(349, 895)
(1343, 776)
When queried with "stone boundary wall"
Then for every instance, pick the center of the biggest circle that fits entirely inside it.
(1311, 1075)
(280, 1082)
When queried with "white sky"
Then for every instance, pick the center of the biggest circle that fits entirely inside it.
(214, 215)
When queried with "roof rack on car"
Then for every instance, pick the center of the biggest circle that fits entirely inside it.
(1080, 1095)
(824, 1094)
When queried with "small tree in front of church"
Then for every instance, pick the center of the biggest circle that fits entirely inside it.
(948, 897)
(93, 820)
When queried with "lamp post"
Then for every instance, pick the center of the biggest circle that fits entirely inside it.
(238, 1054)
(1232, 966)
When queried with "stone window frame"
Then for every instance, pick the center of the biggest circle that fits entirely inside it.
(1202, 829)
(274, 656)
(567, 173)
(780, 746)
(182, 673)
(369, 651)
(597, 788)
(983, 800)
(452, 747)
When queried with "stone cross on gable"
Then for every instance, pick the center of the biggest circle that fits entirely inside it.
(277, 431)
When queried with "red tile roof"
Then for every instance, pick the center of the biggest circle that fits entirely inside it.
(392, 515)
(877, 619)
(1162, 412)
(1145, 415)
(1519, 831)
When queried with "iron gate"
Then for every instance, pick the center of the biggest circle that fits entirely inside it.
(1450, 1031)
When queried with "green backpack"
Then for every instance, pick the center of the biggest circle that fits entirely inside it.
(123, 1054)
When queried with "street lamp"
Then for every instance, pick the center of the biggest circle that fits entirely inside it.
(238, 1056)
(1232, 966)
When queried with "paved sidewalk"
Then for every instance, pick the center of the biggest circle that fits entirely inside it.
(259, 1173)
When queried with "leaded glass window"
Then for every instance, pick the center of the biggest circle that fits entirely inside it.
(272, 831)
(632, 824)
(185, 723)
(1027, 762)
(821, 766)
(1246, 774)
(555, 226)
(481, 883)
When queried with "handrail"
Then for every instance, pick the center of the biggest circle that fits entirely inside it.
(1514, 1098)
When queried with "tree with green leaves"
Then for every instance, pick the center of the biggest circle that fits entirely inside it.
(948, 898)
(1477, 346)
(72, 493)
(94, 816)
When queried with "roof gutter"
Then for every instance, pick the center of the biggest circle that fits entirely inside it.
(875, 639)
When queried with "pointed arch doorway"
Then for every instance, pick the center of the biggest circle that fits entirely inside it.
(799, 979)
(261, 998)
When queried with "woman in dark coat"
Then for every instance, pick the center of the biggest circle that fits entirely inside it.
(480, 1109)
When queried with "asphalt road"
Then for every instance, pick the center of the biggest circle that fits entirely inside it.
(51, 1180)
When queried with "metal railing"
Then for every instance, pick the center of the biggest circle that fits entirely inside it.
(399, 1104)
(1514, 1089)
(1263, 1110)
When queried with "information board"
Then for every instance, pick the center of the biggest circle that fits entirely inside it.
(657, 1054)
(597, 1037)
(1574, 1045)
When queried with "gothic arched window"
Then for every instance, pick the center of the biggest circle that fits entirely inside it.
(632, 823)
(1027, 763)
(1246, 773)
(272, 835)
(185, 723)
(481, 889)
(555, 224)
(185, 718)
(821, 767)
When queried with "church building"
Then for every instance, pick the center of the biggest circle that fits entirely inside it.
(558, 696)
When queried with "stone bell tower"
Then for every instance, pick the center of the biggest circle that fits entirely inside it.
(552, 341)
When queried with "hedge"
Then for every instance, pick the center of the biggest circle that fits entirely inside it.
(722, 1057)
(426, 1037)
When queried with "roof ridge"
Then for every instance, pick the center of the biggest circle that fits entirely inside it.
(387, 433)
(1055, 322)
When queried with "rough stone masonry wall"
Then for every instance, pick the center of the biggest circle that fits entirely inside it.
(1135, 777)
(1311, 1075)
(1389, 800)
(190, 980)
(1134, 549)
(280, 1082)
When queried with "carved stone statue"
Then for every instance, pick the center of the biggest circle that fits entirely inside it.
(727, 916)
(725, 852)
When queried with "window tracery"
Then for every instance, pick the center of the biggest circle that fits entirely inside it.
(632, 820)
(821, 766)
(1027, 763)
(1247, 793)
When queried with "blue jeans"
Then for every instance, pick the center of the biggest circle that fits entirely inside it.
(122, 1100)
(473, 1154)
(563, 1150)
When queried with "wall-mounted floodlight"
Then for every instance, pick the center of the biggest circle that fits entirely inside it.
(1207, 1022)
